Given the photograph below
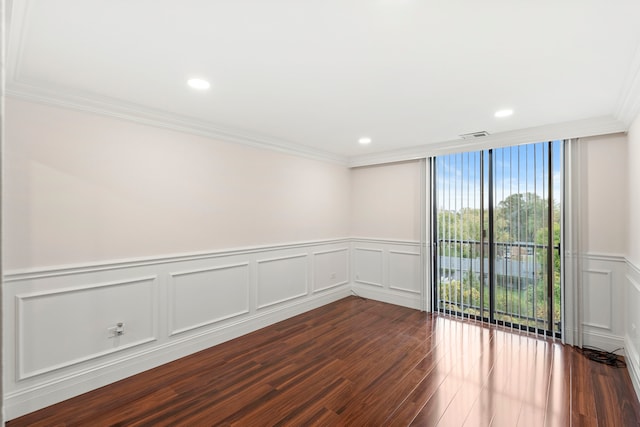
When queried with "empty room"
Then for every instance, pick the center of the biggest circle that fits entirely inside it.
(363, 213)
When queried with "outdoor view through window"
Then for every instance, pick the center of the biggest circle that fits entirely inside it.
(497, 235)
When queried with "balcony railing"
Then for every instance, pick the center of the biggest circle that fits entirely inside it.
(521, 282)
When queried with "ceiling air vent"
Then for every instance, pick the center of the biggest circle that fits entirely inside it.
(473, 135)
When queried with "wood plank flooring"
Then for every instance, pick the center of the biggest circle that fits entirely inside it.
(359, 362)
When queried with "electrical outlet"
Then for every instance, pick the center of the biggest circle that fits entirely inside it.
(333, 276)
(633, 330)
(116, 331)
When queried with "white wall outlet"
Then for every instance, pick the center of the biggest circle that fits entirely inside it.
(332, 276)
(115, 331)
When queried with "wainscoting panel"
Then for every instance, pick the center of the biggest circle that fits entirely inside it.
(597, 295)
(330, 269)
(58, 328)
(59, 339)
(195, 296)
(367, 266)
(388, 271)
(603, 290)
(282, 279)
(405, 271)
(632, 324)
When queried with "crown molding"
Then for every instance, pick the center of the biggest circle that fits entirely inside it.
(147, 116)
(573, 129)
(628, 106)
(19, 86)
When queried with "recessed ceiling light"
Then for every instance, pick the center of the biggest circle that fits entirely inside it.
(364, 140)
(503, 113)
(199, 84)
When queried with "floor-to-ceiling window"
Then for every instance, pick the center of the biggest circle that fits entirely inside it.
(496, 232)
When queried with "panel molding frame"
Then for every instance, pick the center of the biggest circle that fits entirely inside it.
(366, 282)
(609, 275)
(172, 288)
(19, 307)
(330, 251)
(293, 297)
(406, 253)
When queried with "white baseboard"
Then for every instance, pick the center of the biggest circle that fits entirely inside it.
(632, 366)
(383, 295)
(603, 340)
(42, 395)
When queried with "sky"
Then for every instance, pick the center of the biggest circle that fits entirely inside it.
(517, 169)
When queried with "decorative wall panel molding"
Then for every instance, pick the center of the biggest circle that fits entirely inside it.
(603, 295)
(282, 279)
(64, 327)
(368, 266)
(388, 271)
(59, 321)
(597, 298)
(195, 296)
(405, 271)
(330, 269)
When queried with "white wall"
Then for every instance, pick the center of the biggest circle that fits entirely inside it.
(633, 196)
(632, 295)
(604, 176)
(385, 201)
(602, 217)
(387, 260)
(84, 188)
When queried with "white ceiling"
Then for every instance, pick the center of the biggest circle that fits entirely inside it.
(317, 75)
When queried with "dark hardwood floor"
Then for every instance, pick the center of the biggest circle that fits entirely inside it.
(363, 363)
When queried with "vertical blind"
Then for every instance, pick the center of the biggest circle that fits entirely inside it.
(496, 230)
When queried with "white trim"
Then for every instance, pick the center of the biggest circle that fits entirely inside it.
(603, 340)
(633, 267)
(330, 251)
(281, 258)
(383, 295)
(567, 130)
(203, 270)
(152, 278)
(380, 241)
(64, 270)
(411, 291)
(404, 253)
(632, 367)
(364, 282)
(595, 256)
(344, 282)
